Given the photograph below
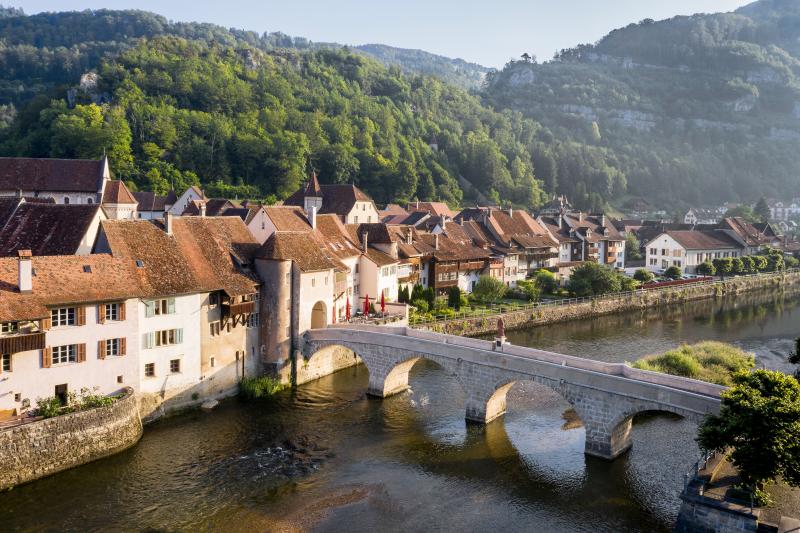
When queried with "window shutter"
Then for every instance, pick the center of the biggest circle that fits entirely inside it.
(45, 324)
(101, 349)
(122, 346)
(121, 313)
(179, 336)
(80, 318)
(81, 353)
(148, 340)
(47, 357)
(149, 309)
(171, 306)
(101, 313)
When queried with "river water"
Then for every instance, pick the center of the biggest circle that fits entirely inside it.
(326, 457)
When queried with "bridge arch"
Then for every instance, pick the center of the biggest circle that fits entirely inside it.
(319, 315)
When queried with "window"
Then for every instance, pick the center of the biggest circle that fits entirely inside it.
(112, 312)
(63, 316)
(165, 306)
(175, 366)
(5, 362)
(166, 337)
(313, 282)
(112, 348)
(356, 268)
(213, 362)
(213, 299)
(253, 320)
(9, 327)
(88, 200)
(326, 280)
(65, 354)
(215, 328)
(664, 251)
(150, 370)
(66, 199)
(363, 207)
(355, 220)
(385, 271)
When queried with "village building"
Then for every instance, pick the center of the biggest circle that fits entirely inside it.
(686, 249)
(212, 207)
(348, 202)
(378, 263)
(436, 209)
(47, 228)
(784, 211)
(192, 194)
(67, 181)
(118, 202)
(558, 205)
(393, 214)
(701, 216)
(152, 205)
(587, 238)
(255, 218)
(752, 237)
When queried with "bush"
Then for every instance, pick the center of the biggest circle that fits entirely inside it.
(454, 298)
(792, 262)
(706, 268)
(489, 290)
(259, 387)
(85, 399)
(673, 272)
(421, 305)
(643, 275)
(546, 281)
(715, 362)
(592, 279)
(49, 407)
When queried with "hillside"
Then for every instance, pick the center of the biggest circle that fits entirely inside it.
(248, 115)
(691, 110)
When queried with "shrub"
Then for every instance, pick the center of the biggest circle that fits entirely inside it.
(715, 362)
(673, 272)
(454, 298)
(643, 275)
(489, 290)
(707, 268)
(259, 387)
(546, 281)
(421, 305)
(590, 279)
(49, 407)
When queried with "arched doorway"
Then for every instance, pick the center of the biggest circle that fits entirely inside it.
(319, 316)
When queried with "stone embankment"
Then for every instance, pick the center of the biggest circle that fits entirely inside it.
(592, 307)
(45, 447)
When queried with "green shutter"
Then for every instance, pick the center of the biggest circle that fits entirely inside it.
(149, 308)
(171, 306)
(179, 336)
(148, 340)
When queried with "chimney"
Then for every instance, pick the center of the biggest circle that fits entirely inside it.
(25, 270)
(168, 217)
(312, 217)
(602, 219)
(436, 241)
(364, 242)
(511, 212)
(580, 216)
(410, 236)
(560, 220)
(203, 209)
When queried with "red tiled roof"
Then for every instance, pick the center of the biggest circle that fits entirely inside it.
(58, 175)
(288, 218)
(149, 201)
(47, 229)
(117, 193)
(703, 240)
(303, 248)
(434, 208)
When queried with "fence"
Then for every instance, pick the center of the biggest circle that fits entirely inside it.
(497, 310)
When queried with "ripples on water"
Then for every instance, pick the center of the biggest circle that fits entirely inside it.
(326, 457)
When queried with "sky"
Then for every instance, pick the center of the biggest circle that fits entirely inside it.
(489, 32)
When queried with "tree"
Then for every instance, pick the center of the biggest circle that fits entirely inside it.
(737, 265)
(723, 265)
(673, 272)
(489, 290)
(759, 420)
(706, 268)
(748, 265)
(643, 275)
(590, 279)
(546, 281)
(632, 248)
(761, 210)
(454, 298)
(744, 211)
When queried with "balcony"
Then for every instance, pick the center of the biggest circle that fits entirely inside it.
(446, 284)
(238, 309)
(22, 343)
(472, 265)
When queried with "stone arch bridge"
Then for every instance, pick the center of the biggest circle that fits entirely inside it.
(606, 396)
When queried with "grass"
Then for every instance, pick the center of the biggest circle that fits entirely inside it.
(260, 387)
(715, 362)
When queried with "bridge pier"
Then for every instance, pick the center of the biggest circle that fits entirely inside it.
(385, 381)
(608, 443)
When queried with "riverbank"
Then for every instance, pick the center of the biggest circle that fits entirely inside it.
(544, 314)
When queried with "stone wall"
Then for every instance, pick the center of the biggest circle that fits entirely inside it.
(699, 514)
(38, 449)
(550, 314)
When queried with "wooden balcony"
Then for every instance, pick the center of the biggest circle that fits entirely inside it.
(22, 343)
(446, 284)
(238, 309)
(472, 265)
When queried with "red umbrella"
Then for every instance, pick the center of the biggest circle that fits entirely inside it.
(383, 302)
(347, 309)
(366, 304)
(334, 315)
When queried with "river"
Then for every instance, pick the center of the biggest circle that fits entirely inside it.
(326, 457)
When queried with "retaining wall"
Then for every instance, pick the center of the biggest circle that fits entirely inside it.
(637, 301)
(45, 447)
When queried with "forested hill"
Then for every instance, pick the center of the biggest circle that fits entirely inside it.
(691, 110)
(199, 104)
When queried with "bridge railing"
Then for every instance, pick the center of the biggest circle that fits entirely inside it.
(496, 310)
(615, 369)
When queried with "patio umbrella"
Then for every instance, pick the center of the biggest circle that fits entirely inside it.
(347, 309)
(366, 304)
(333, 321)
(383, 303)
